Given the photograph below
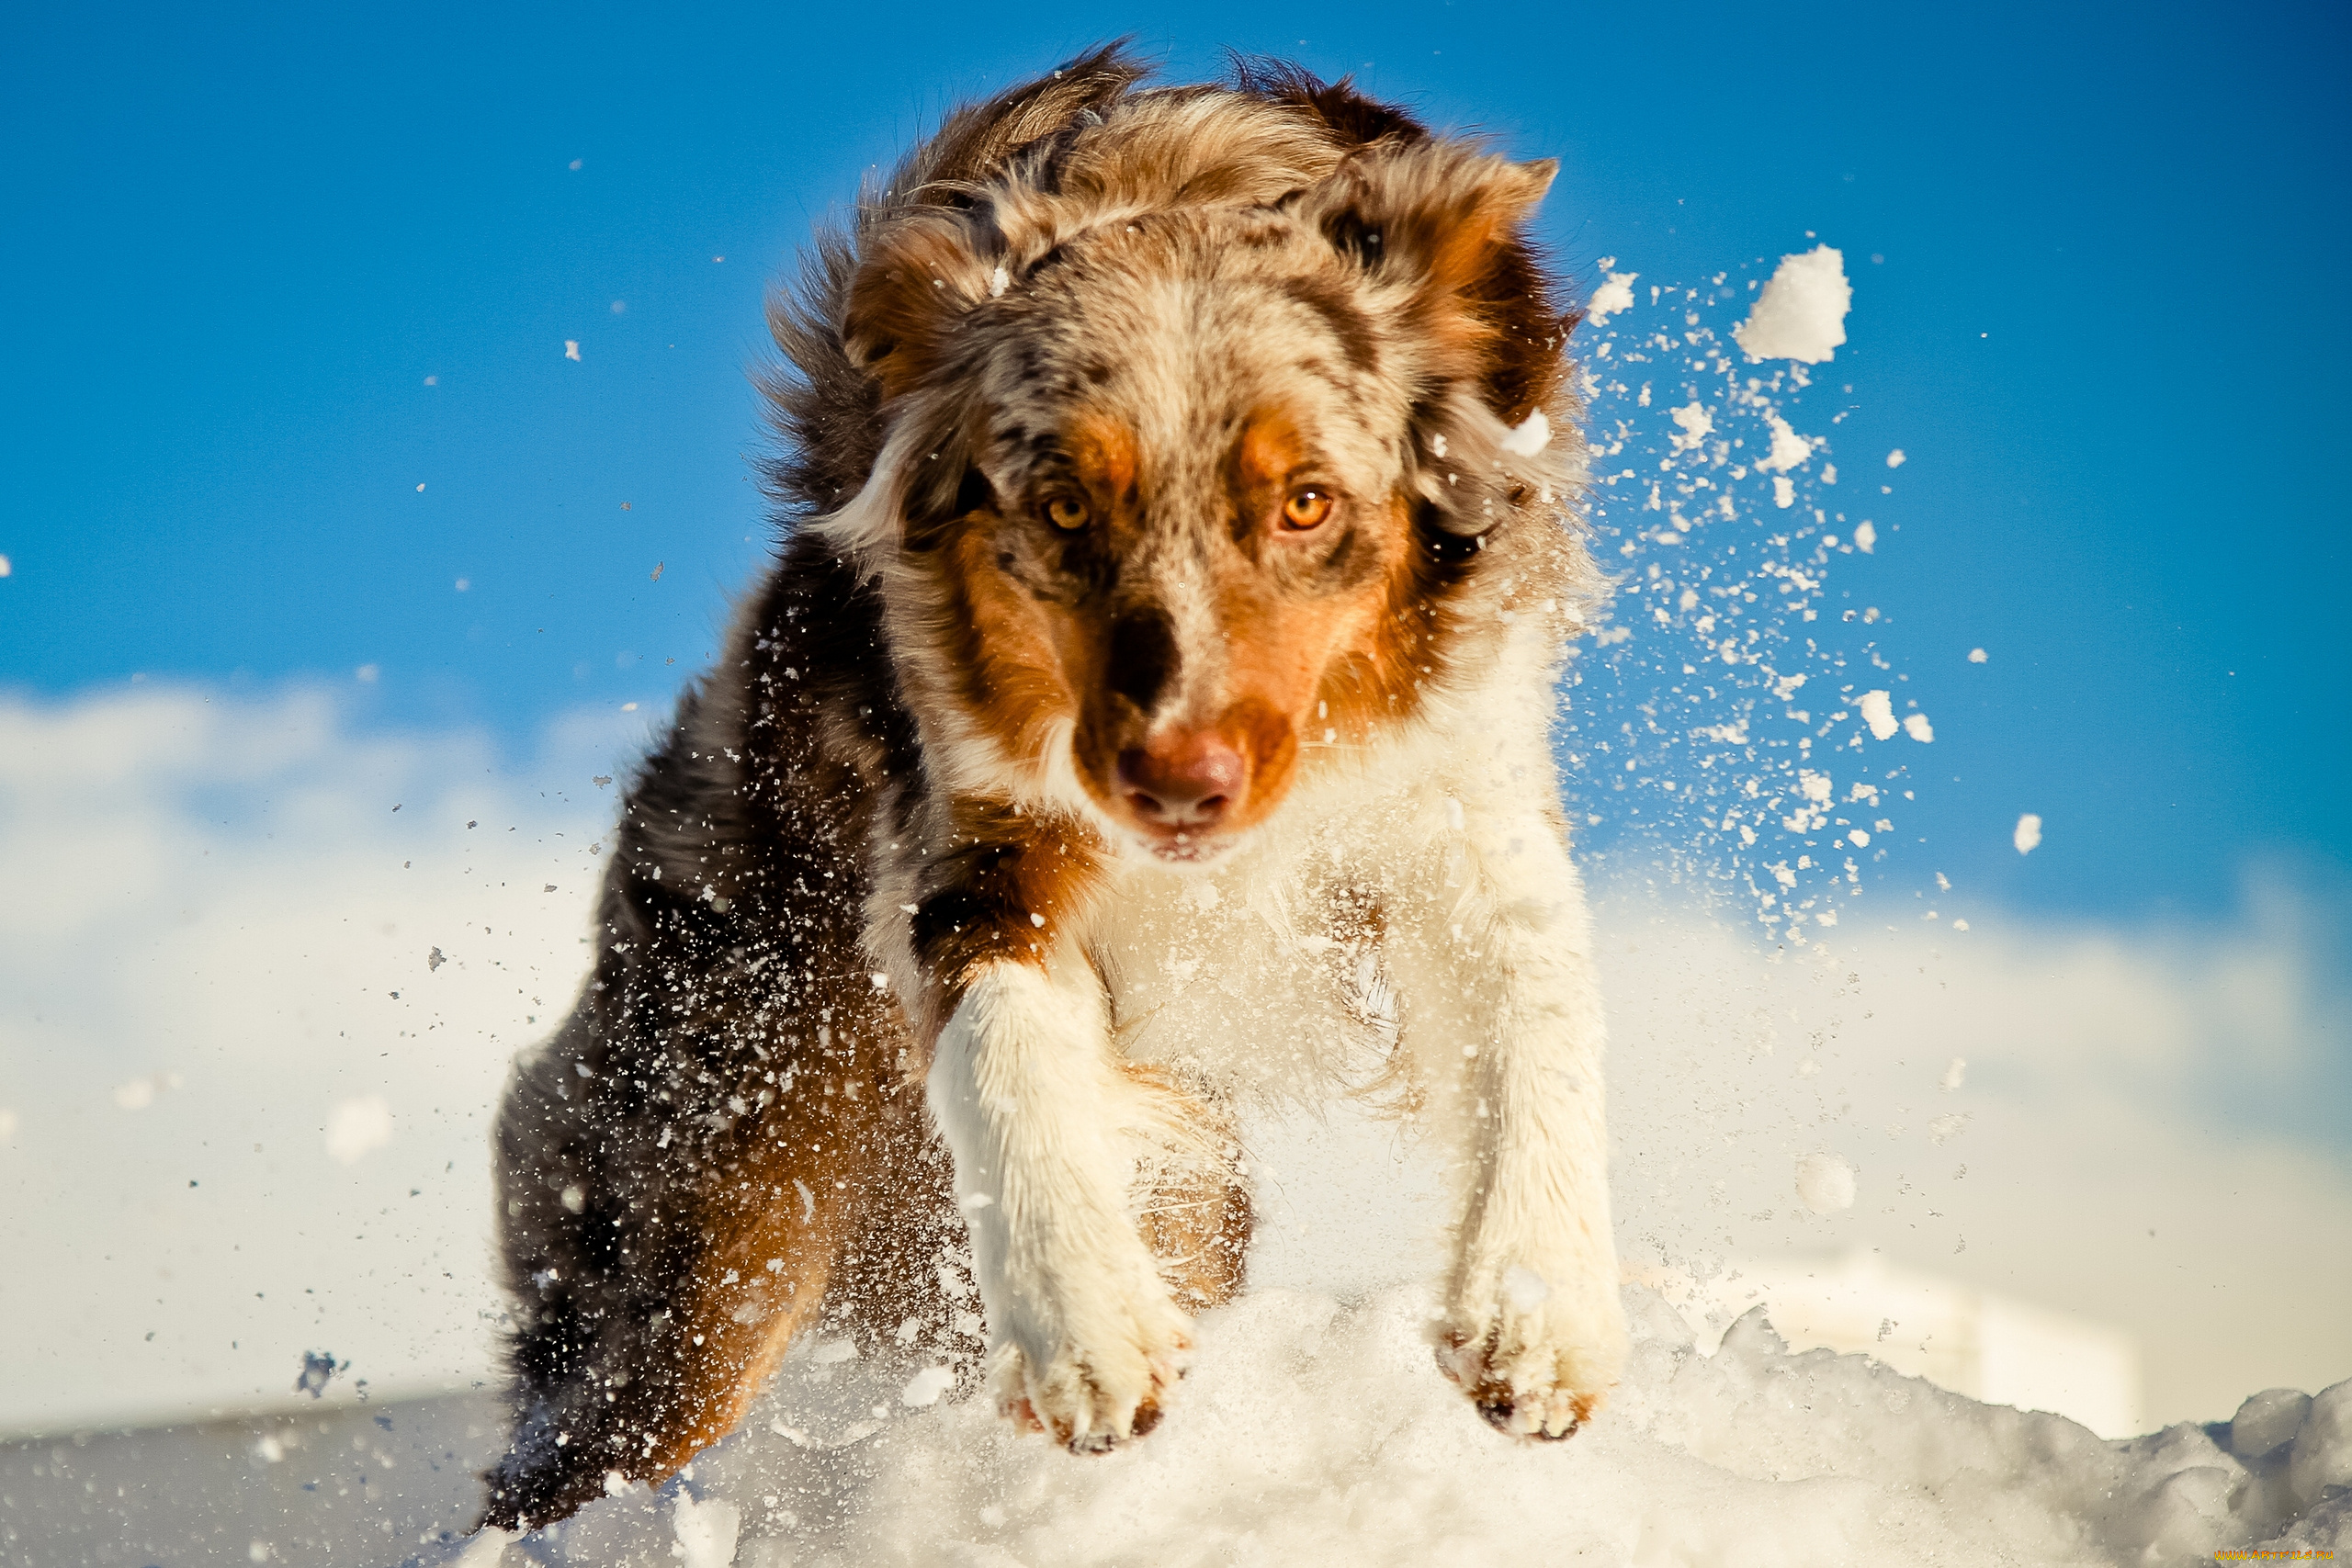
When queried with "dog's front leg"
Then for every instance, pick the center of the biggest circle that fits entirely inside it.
(1503, 1019)
(1083, 1338)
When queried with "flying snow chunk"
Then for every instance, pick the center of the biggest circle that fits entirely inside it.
(2028, 833)
(487, 1550)
(1611, 296)
(1697, 425)
(359, 1127)
(1895, 459)
(1878, 711)
(7, 1124)
(571, 348)
(706, 1531)
(318, 1369)
(1789, 450)
(1529, 436)
(1824, 1183)
(922, 1390)
(1802, 313)
(1865, 536)
(1917, 726)
(1955, 1075)
(1977, 656)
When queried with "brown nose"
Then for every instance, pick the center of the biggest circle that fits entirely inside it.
(1187, 781)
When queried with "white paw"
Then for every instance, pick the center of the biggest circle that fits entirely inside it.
(1098, 1386)
(1536, 1355)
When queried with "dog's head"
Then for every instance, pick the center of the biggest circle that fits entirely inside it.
(1174, 488)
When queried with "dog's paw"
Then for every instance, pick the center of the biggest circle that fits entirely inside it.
(1090, 1395)
(1537, 1361)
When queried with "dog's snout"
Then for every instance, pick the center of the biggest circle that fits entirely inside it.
(1142, 656)
(1190, 782)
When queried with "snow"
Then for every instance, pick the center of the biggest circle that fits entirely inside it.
(1865, 536)
(571, 348)
(2322, 1457)
(1529, 436)
(1895, 459)
(706, 1531)
(318, 1369)
(1824, 1183)
(2268, 1420)
(922, 1390)
(1788, 448)
(1315, 1429)
(1800, 315)
(1878, 711)
(1977, 656)
(1696, 424)
(2028, 833)
(1917, 726)
(356, 1128)
(1615, 295)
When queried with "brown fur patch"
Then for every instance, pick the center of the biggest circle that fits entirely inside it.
(995, 886)
(1011, 675)
(1103, 452)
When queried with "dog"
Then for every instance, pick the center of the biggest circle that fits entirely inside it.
(1146, 714)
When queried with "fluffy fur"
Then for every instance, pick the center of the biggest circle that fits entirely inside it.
(1148, 709)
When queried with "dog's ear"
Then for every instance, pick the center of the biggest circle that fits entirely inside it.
(1437, 232)
(1441, 224)
(919, 279)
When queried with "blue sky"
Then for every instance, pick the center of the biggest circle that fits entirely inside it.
(2102, 331)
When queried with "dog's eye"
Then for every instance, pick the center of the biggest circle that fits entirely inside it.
(1067, 513)
(1307, 509)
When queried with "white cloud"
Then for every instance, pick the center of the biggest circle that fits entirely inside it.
(2115, 1083)
(230, 939)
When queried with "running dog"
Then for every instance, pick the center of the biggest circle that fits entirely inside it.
(1147, 713)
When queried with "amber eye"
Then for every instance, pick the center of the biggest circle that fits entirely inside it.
(1307, 509)
(1067, 513)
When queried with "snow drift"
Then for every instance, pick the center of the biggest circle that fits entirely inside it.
(1313, 1431)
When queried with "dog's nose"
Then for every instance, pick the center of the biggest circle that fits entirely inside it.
(1189, 781)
